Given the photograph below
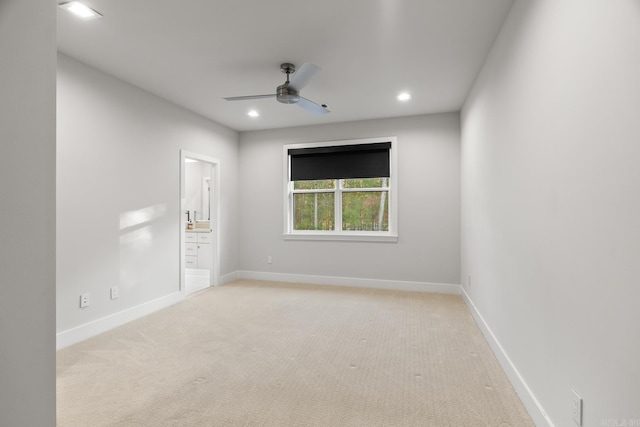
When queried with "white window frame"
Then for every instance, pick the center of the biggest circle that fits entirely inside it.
(390, 236)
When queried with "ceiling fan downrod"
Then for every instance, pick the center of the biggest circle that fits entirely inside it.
(284, 93)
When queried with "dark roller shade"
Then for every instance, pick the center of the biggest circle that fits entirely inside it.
(340, 162)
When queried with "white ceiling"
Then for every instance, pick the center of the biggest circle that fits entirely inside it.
(194, 52)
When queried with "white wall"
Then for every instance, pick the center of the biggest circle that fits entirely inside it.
(429, 204)
(119, 213)
(27, 213)
(551, 202)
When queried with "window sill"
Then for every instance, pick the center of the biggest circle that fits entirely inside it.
(343, 237)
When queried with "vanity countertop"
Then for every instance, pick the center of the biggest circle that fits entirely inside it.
(199, 230)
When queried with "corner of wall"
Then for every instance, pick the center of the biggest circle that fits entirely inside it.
(529, 400)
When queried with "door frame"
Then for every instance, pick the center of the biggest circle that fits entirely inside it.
(214, 203)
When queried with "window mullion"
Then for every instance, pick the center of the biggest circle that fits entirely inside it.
(338, 206)
(365, 189)
(290, 205)
(328, 190)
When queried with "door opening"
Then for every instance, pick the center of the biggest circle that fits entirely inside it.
(199, 222)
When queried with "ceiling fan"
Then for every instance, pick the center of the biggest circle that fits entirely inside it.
(289, 92)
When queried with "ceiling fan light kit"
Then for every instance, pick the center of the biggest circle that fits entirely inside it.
(289, 92)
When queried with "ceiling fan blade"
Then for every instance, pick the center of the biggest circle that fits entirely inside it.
(243, 98)
(302, 76)
(312, 107)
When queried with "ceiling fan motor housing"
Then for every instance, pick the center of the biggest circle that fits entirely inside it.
(287, 95)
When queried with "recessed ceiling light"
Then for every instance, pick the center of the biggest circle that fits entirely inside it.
(81, 10)
(253, 113)
(404, 96)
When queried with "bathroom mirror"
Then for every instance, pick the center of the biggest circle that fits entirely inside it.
(197, 191)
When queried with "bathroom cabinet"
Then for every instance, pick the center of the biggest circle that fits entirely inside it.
(198, 250)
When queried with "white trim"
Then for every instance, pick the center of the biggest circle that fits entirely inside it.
(228, 278)
(214, 202)
(533, 406)
(196, 272)
(392, 190)
(531, 403)
(98, 326)
(398, 285)
(196, 283)
(342, 237)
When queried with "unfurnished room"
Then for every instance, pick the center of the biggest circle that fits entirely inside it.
(338, 213)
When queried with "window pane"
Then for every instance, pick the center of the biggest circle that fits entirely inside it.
(365, 211)
(365, 183)
(321, 184)
(313, 211)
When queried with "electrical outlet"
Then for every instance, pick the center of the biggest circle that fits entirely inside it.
(269, 260)
(84, 300)
(576, 407)
(469, 281)
(114, 292)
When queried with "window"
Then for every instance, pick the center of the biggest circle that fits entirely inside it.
(341, 190)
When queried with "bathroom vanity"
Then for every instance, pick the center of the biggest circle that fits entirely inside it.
(198, 249)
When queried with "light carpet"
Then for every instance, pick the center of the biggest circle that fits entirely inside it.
(272, 354)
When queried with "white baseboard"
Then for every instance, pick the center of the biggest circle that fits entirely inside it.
(196, 272)
(93, 328)
(228, 278)
(533, 406)
(441, 288)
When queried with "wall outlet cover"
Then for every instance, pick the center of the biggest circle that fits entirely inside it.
(84, 300)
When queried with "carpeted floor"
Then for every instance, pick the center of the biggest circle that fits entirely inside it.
(271, 354)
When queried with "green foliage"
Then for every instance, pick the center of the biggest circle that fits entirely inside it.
(365, 183)
(313, 211)
(361, 210)
(322, 184)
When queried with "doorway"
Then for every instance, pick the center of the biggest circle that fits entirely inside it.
(199, 222)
